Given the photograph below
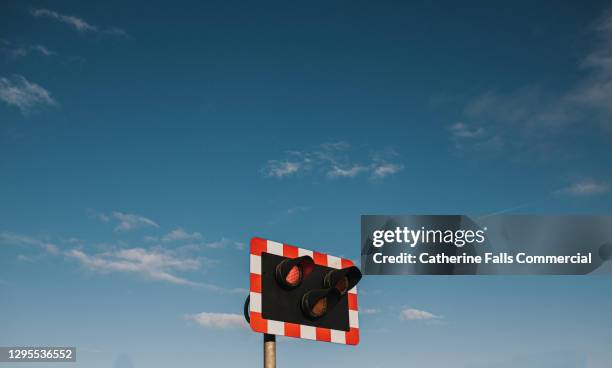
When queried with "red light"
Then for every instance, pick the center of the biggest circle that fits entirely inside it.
(319, 308)
(315, 303)
(294, 276)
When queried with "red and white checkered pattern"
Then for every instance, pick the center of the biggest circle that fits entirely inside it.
(260, 324)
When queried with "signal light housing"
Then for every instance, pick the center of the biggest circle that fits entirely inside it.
(291, 272)
(316, 303)
(343, 279)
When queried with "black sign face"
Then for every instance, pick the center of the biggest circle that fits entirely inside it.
(284, 305)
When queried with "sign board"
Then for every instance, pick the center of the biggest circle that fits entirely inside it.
(276, 310)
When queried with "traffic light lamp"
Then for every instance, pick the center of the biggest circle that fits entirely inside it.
(291, 271)
(315, 303)
(343, 279)
(300, 293)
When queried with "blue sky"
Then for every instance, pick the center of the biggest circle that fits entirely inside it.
(143, 145)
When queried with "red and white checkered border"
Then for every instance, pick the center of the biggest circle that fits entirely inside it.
(260, 324)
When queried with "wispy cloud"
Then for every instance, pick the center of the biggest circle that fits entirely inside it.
(25, 95)
(176, 235)
(157, 264)
(585, 188)
(281, 169)
(461, 130)
(20, 239)
(506, 210)
(16, 51)
(193, 240)
(297, 209)
(179, 235)
(75, 22)
(221, 289)
(369, 311)
(224, 243)
(346, 172)
(42, 50)
(217, 320)
(525, 119)
(124, 221)
(595, 90)
(78, 23)
(150, 263)
(332, 160)
(129, 221)
(385, 169)
(411, 314)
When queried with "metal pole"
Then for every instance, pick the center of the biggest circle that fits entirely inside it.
(269, 351)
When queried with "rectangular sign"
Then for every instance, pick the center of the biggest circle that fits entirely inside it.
(268, 312)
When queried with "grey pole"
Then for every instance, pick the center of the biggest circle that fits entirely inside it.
(269, 351)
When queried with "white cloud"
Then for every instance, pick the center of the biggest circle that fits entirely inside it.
(77, 23)
(25, 95)
(369, 311)
(280, 169)
(217, 320)
(595, 91)
(410, 314)
(222, 290)
(385, 169)
(332, 160)
(585, 188)
(124, 221)
(129, 221)
(528, 118)
(42, 50)
(346, 172)
(153, 264)
(462, 130)
(115, 31)
(16, 51)
(19, 239)
(157, 263)
(193, 241)
(297, 209)
(71, 240)
(224, 243)
(179, 234)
